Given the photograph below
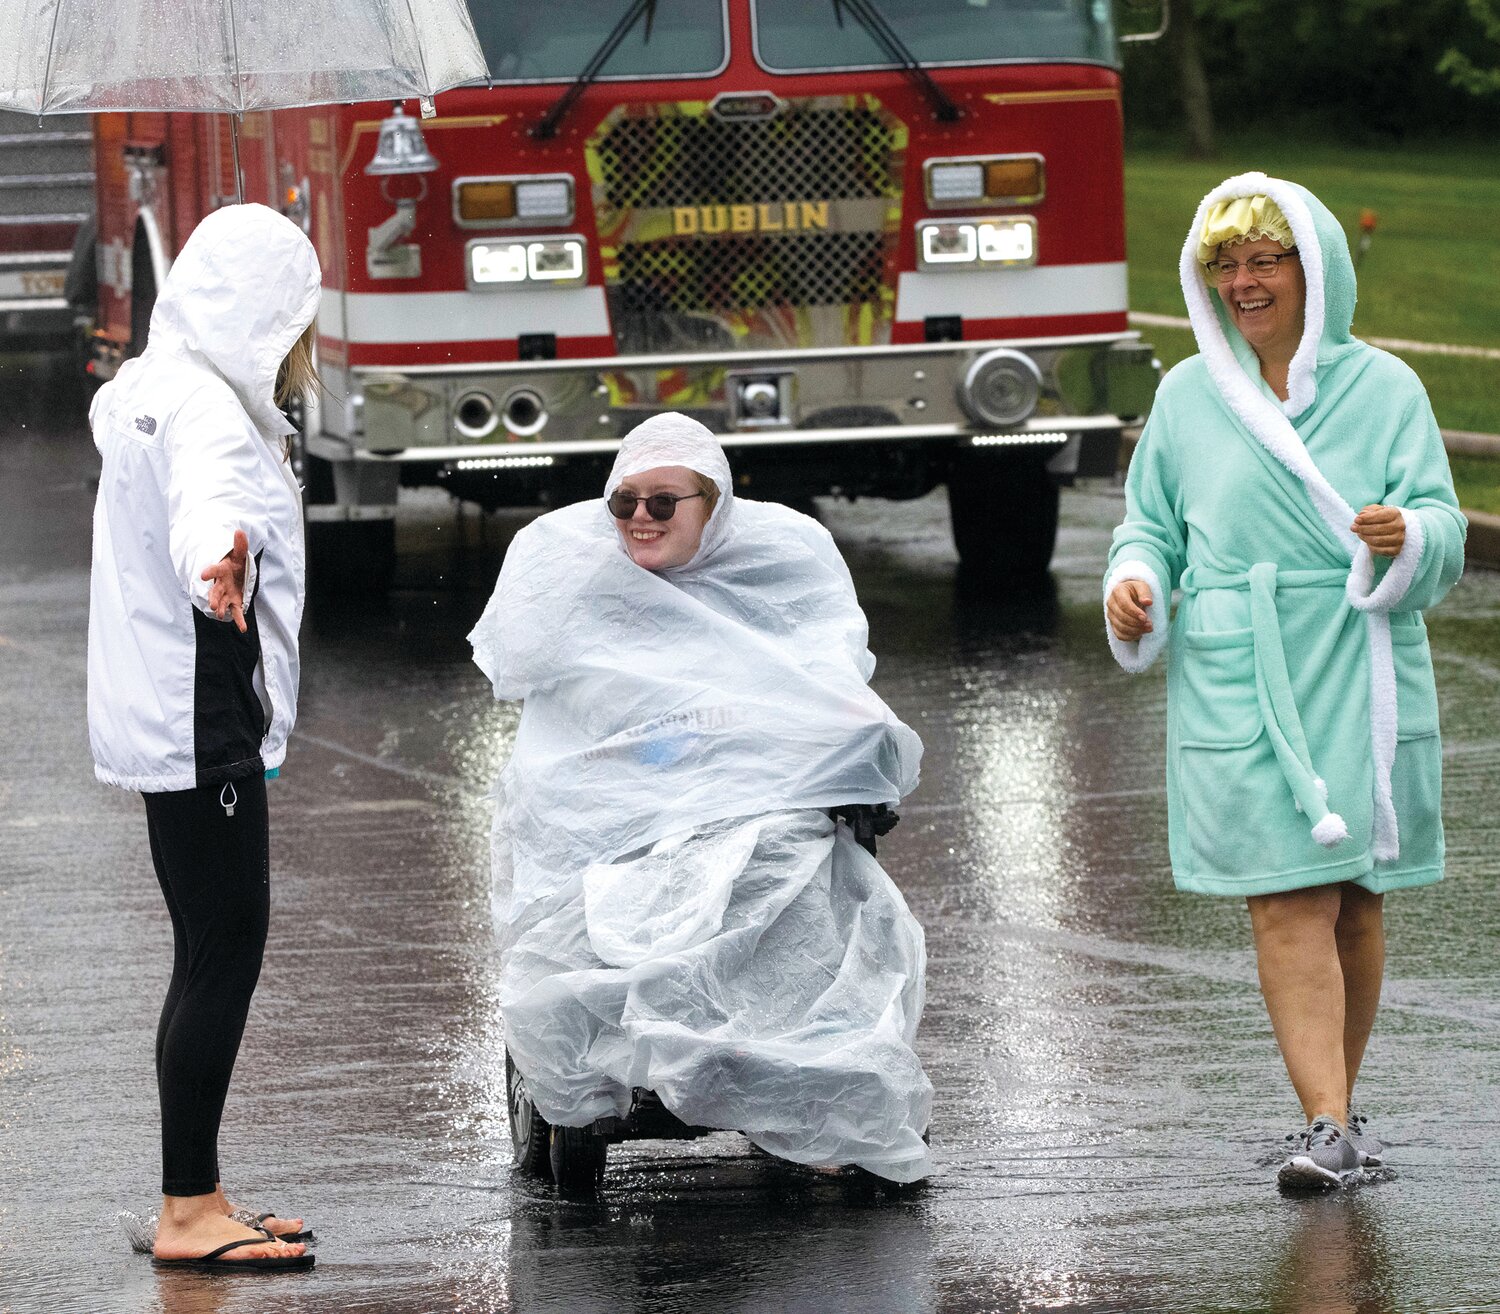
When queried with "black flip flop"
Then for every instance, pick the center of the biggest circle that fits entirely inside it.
(211, 1263)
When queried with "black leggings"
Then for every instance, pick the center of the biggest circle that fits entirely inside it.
(214, 870)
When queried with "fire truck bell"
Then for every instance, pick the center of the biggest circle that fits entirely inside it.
(401, 149)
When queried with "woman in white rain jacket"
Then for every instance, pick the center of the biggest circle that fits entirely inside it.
(196, 598)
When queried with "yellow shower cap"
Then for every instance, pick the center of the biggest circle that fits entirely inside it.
(1242, 219)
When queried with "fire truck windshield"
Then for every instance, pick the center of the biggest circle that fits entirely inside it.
(525, 41)
(798, 35)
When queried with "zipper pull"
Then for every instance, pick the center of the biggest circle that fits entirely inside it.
(228, 803)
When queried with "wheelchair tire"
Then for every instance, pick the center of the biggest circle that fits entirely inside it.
(529, 1131)
(577, 1157)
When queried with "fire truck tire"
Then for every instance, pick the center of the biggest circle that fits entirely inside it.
(142, 297)
(1003, 507)
(349, 559)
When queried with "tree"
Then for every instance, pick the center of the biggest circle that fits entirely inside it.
(1192, 80)
(1462, 71)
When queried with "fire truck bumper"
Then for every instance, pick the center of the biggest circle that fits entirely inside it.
(881, 421)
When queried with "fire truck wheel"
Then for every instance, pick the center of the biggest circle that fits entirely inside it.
(1003, 507)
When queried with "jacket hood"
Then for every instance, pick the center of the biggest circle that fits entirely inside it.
(243, 290)
(674, 439)
(1326, 267)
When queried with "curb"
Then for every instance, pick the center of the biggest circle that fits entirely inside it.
(1482, 548)
(1148, 320)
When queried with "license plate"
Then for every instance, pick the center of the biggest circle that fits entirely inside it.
(32, 283)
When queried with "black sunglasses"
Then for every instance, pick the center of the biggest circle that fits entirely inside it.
(659, 506)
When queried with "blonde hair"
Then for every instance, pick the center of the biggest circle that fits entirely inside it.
(708, 488)
(297, 375)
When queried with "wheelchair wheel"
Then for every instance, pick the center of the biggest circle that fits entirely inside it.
(577, 1157)
(528, 1129)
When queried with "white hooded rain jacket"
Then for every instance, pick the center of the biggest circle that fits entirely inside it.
(193, 443)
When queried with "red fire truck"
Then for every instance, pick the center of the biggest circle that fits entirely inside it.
(876, 247)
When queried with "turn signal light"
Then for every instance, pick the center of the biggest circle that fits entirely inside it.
(486, 202)
(1016, 181)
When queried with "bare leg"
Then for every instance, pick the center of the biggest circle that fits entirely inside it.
(1360, 932)
(1297, 953)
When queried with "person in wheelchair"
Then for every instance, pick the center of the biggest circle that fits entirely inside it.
(694, 936)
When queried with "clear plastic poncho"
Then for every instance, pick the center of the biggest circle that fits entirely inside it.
(675, 907)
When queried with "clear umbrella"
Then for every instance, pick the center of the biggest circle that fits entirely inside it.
(230, 56)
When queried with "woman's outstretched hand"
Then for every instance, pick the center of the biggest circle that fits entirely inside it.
(226, 594)
(1382, 529)
(1126, 609)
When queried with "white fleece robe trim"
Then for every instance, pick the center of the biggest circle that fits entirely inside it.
(1271, 426)
(1361, 589)
(1138, 654)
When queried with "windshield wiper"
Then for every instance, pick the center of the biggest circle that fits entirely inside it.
(874, 22)
(547, 128)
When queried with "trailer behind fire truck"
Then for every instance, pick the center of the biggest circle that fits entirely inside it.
(875, 249)
(46, 198)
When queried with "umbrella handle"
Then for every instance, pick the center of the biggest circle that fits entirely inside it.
(234, 149)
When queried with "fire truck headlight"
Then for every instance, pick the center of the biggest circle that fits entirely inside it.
(949, 244)
(497, 262)
(555, 261)
(1007, 242)
(976, 243)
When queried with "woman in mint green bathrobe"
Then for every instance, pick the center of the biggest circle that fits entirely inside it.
(1303, 760)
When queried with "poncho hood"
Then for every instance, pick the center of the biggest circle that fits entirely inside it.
(243, 290)
(1326, 266)
(674, 439)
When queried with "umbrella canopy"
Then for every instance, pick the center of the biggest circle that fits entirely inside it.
(230, 56)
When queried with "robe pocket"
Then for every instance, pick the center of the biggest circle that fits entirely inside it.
(1416, 690)
(1217, 704)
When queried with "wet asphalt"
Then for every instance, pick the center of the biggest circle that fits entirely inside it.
(1109, 1097)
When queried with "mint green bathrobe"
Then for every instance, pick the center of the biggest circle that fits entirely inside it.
(1302, 722)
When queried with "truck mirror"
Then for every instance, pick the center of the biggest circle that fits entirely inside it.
(1143, 20)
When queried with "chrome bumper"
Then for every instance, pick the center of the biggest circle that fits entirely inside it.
(899, 394)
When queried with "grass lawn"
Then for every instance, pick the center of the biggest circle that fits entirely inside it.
(1432, 273)
(1477, 480)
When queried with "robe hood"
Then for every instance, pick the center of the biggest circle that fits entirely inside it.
(243, 290)
(1327, 267)
(674, 439)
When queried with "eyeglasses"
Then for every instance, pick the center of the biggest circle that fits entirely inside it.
(1264, 265)
(659, 506)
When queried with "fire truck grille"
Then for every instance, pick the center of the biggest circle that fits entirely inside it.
(836, 153)
(822, 269)
(742, 235)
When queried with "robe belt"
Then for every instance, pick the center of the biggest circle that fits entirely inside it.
(1273, 684)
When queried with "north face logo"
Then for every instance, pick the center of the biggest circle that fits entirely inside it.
(145, 423)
